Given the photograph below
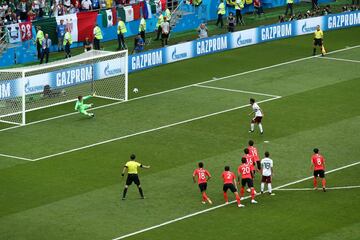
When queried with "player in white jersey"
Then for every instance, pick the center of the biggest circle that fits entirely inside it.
(267, 173)
(256, 110)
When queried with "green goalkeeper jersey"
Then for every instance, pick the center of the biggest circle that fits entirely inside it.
(80, 104)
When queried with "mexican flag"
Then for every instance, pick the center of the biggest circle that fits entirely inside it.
(109, 17)
(128, 13)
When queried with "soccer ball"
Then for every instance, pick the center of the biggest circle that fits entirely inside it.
(135, 90)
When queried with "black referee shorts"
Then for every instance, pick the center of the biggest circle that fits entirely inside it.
(132, 178)
(318, 42)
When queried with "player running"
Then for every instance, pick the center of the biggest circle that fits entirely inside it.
(267, 173)
(318, 165)
(246, 179)
(256, 110)
(229, 179)
(203, 176)
(132, 170)
(81, 107)
(254, 153)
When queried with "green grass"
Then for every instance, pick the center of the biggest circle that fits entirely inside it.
(77, 195)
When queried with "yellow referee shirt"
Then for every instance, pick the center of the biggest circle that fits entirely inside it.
(132, 167)
(318, 34)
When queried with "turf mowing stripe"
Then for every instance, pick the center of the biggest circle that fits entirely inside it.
(320, 189)
(223, 205)
(183, 87)
(15, 157)
(151, 130)
(341, 59)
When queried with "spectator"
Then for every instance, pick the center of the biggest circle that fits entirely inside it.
(221, 12)
(31, 16)
(67, 43)
(73, 9)
(67, 3)
(239, 5)
(23, 9)
(60, 9)
(165, 31)
(10, 16)
(121, 30)
(281, 18)
(60, 30)
(95, 4)
(142, 28)
(203, 31)
(86, 5)
(39, 39)
(42, 4)
(46, 43)
(258, 7)
(87, 45)
(231, 22)
(314, 4)
(109, 3)
(356, 2)
(97, 37)
(139, 44)
(168, 14)
(289, 5)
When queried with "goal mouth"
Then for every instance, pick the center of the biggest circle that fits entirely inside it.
(27, 89)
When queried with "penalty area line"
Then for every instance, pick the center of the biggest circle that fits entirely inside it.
(223, 205)
(319, 189)
(16, 157)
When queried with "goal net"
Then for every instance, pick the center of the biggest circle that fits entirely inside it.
(32, 88)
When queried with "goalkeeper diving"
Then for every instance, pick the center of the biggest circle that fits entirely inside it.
(81, 107)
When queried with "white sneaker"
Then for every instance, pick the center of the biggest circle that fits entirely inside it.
(241, 205)
(209, 201)
(242, 198)
(203, 202)
(272, 194)
(248, 190)
(253, 201)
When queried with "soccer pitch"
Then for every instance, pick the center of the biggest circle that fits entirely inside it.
(60, 179)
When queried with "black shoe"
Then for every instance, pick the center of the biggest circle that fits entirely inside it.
(324, 190)
(262, 132)
(93, 115)
(123, 199)
(251, 131)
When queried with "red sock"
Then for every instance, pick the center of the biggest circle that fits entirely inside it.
(315, 182)
(204, 197)
(252, 193)
(226, 197)
(242, 191)
(237, 198)
(323, 182)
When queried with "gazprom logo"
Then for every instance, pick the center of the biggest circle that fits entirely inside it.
(33, 89)
(243, 41)
(176, 56)
(306, 29)
(111, 72)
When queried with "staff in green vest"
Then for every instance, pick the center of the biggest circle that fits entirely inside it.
(67, 43)
(167, 14)
(197, 2)
(39, 40)
(239, 5)
(121, 30)
(289, 5)
(142, 28)
(158, 26)
(221, 12)
(97, 37)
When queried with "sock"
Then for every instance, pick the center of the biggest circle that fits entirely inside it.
(323, 181)
(314, 51)
(226, 197)
(315, 182)
(204, 196)
(270, 188)
(252, 193)
(252, 126)
(124, 193)
(237, 198)
(263, 186)
(260, 127)
(242, 191)
(141, 192)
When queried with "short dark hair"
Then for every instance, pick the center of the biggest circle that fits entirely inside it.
(267, 154)
(251, 142)
(243, 160)
(252, 100)
(201, 164)
(227, 168)
(316, 150)
(246, 151)
(79, 97)
(132, 156)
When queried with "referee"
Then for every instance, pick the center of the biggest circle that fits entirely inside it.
(132, 169)
(318, 40)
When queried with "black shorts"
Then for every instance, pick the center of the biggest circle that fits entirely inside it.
(256, 120)
(202, 187)
(319, 173)
(318, 42)
(247, 181)
(229, 186)
(266, 179)
(132, 178)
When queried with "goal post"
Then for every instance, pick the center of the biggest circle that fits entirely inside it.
(42, 86)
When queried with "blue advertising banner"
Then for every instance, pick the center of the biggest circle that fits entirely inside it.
(145, 60)
(343, 20)
(276, 31)
(211, 44)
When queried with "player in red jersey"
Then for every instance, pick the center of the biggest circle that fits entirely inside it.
(249, 160)
(229, 179)
(254, 153)
(246, 179)
(318, 165)
(203, 176)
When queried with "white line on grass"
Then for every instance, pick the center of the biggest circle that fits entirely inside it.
(183, 87)
(152, 130)
(15, 157)
(222, 205)
(320, 189)
(341, 59)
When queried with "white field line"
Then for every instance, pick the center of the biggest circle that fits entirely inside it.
(236, 90)
(183, 87)
(15, 157)
(151, 130)
(222, 205)
(320, 189)
(342, 59)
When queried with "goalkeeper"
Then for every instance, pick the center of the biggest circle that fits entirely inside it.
(81, 107)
